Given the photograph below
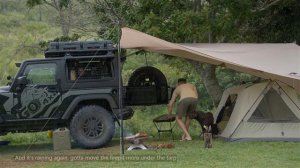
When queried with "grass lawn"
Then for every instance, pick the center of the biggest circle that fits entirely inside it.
(185, 154)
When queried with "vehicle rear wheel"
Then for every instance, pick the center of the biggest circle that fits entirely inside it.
(92, 127)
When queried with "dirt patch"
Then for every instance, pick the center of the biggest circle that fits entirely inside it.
(12, 163)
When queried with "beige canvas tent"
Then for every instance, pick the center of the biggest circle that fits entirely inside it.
(280, 61)
(263, 111)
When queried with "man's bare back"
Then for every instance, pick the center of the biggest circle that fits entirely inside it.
(184, 91)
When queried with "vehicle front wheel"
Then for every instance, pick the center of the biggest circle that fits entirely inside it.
(92, 127)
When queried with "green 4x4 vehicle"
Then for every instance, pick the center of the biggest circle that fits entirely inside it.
(76, 85)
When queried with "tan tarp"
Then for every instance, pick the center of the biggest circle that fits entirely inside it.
(270, 61)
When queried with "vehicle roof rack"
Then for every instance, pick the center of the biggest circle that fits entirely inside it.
(79, 48)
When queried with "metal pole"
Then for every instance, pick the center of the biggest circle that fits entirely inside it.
(120, 91)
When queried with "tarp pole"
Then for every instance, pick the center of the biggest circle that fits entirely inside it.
(120, 91)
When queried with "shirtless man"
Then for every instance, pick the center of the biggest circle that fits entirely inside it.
(188, 96)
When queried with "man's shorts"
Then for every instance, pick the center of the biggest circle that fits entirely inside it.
(185, 106)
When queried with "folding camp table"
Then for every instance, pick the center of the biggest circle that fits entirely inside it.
(164, 123)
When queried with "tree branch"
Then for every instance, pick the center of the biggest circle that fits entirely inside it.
(114, 13)
(266, 6)
(50, 4)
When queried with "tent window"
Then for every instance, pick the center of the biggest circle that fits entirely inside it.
(273, 109)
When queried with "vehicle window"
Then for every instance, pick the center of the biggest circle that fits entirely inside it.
(89, 69)
(42, 74)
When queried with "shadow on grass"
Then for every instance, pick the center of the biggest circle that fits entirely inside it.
(47, 148)
(22, 148)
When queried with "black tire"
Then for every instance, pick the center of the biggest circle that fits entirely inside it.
(153, 74)
(92, 127)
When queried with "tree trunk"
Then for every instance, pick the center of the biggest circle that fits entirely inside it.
(63, 23)
(197, 5)
(210, 81)
(206, 71)
(64, 16)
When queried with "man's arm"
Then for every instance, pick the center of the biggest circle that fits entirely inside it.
(196, 91)
(172, 101)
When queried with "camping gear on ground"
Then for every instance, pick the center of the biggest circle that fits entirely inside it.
(164, 123)
(207, 140)
(163, 146)
(50, 134)
(264, 111)
(137, 141)
(61, 139)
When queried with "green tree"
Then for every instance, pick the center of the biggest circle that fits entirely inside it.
(175, 21)
(275, 22)
(64, 9)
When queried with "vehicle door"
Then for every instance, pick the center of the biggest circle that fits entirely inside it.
(37, 91)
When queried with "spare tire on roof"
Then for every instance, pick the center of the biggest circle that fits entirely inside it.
(147, 76)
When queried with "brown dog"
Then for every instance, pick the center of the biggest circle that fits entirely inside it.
(206, 120)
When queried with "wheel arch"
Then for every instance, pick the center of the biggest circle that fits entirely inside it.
(104, 100)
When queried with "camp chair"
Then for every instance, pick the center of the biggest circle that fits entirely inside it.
(164, 123)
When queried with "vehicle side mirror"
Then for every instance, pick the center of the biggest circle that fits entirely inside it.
(8, 77)
(22, 80)
(18, 64)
